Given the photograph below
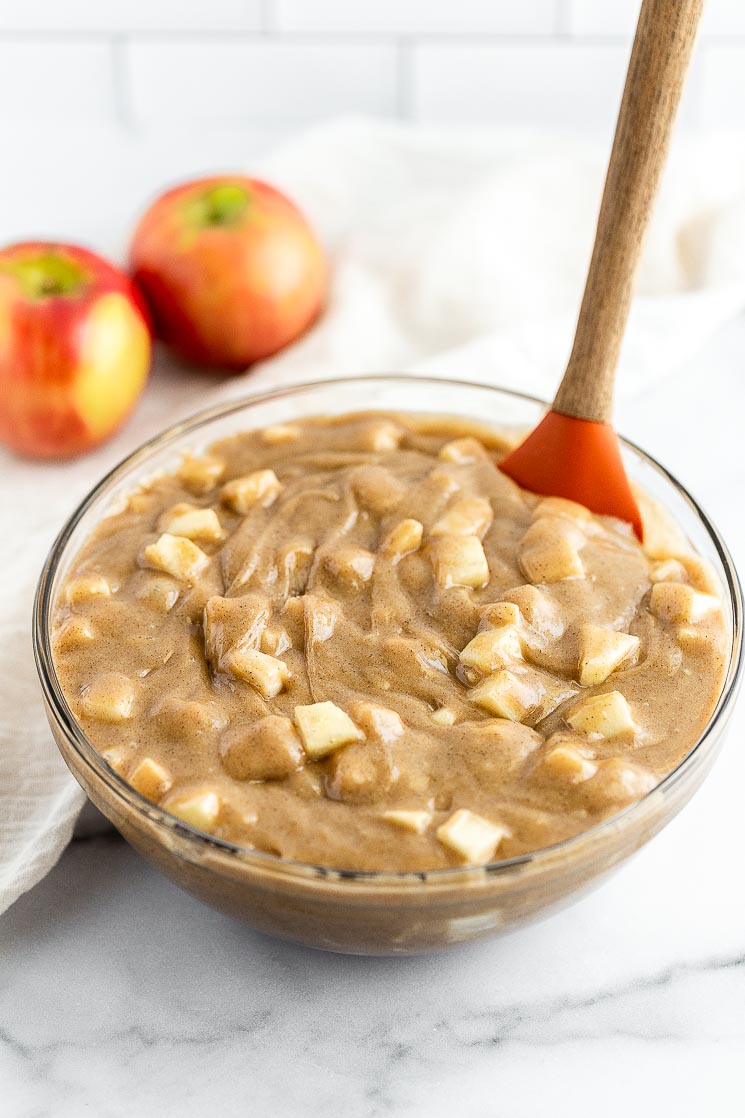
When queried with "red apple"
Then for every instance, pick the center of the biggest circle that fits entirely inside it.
(74, 348)
(230, 268)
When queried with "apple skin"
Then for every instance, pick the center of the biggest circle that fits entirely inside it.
(75, 348)
(230, 268)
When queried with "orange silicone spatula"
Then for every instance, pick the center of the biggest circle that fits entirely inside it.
(574, 451)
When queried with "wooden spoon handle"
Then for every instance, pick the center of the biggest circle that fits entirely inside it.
(654, 82)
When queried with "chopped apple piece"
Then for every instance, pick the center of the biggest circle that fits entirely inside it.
(497, 614)
(701, 574)
(471, 836)
(462, 451)
(620, 782)
(469, 516)
(275, 641)
(402, 539)
(538, 609)
(460, 561)
(492, 649)
(569, 763)
(200, 475)
(668, 570)
(506, 695)
(268, 749)
(324, 727)
(351, 566)
(199, 810)
(561, 507)
(377, 722)
(551, 561)
(677, 601)
(160, 593)
(414, 821)
(279, 433)
(193, 523)
(116, 758)
(696, 639)
(85, 587)
(73, 633)
(109, 697)
(177, 557)
(150, 779)
(259, 488)
(381, 436)
(602, 716)
(266, 674)
(602, 651)
(443, 717)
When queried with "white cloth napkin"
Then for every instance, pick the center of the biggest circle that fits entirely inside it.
(458, 252)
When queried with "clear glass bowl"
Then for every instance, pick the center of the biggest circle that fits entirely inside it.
(372, 913)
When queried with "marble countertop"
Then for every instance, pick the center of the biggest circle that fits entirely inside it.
(122, 996)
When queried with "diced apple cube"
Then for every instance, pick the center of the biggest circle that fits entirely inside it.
(199, 810)
(382, 435)
(569, 763)
(696, 639)
(275, 641)
(266, 674)
(351, 566)
(85, 587)
(561, 507)
(324, 727)
(73, 633)
(618, 781)
(109, 697)
(506, 695)
(602, 716)
(462, 451)
(279, 433)
(116, 758)
(402, 539)
(548, 529)
(492, 649)
(602, 651)
(414, 821)
(192, 523)
(377, 722)
(262, 487)
(497, 614)
(176, 556)
(471, 836)
(701, 574)
(539, 610)
(150, 779)
(677, 601)
(443, 716)
(668, 570)
(460, 561)
(551, 561)
(469, 516)
(268, 749)
(202, 474)
(160, 593)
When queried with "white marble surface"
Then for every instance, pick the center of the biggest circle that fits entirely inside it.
(120, 996)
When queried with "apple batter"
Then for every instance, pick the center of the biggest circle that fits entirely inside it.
(354, 642)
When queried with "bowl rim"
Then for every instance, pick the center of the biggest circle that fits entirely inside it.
(65, 719)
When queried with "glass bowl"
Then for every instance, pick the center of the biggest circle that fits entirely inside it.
(370, 912)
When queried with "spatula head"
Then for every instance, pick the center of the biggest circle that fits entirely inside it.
(578, 459)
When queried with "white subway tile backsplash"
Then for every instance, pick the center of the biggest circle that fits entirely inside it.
(603, 17)
(130, 15)
(58, 81)
(618, 18)
(416, 17)
(560, 85)
(260, 81)
(721, 101)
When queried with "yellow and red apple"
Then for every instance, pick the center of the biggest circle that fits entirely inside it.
(75, 348)
(230, 268)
